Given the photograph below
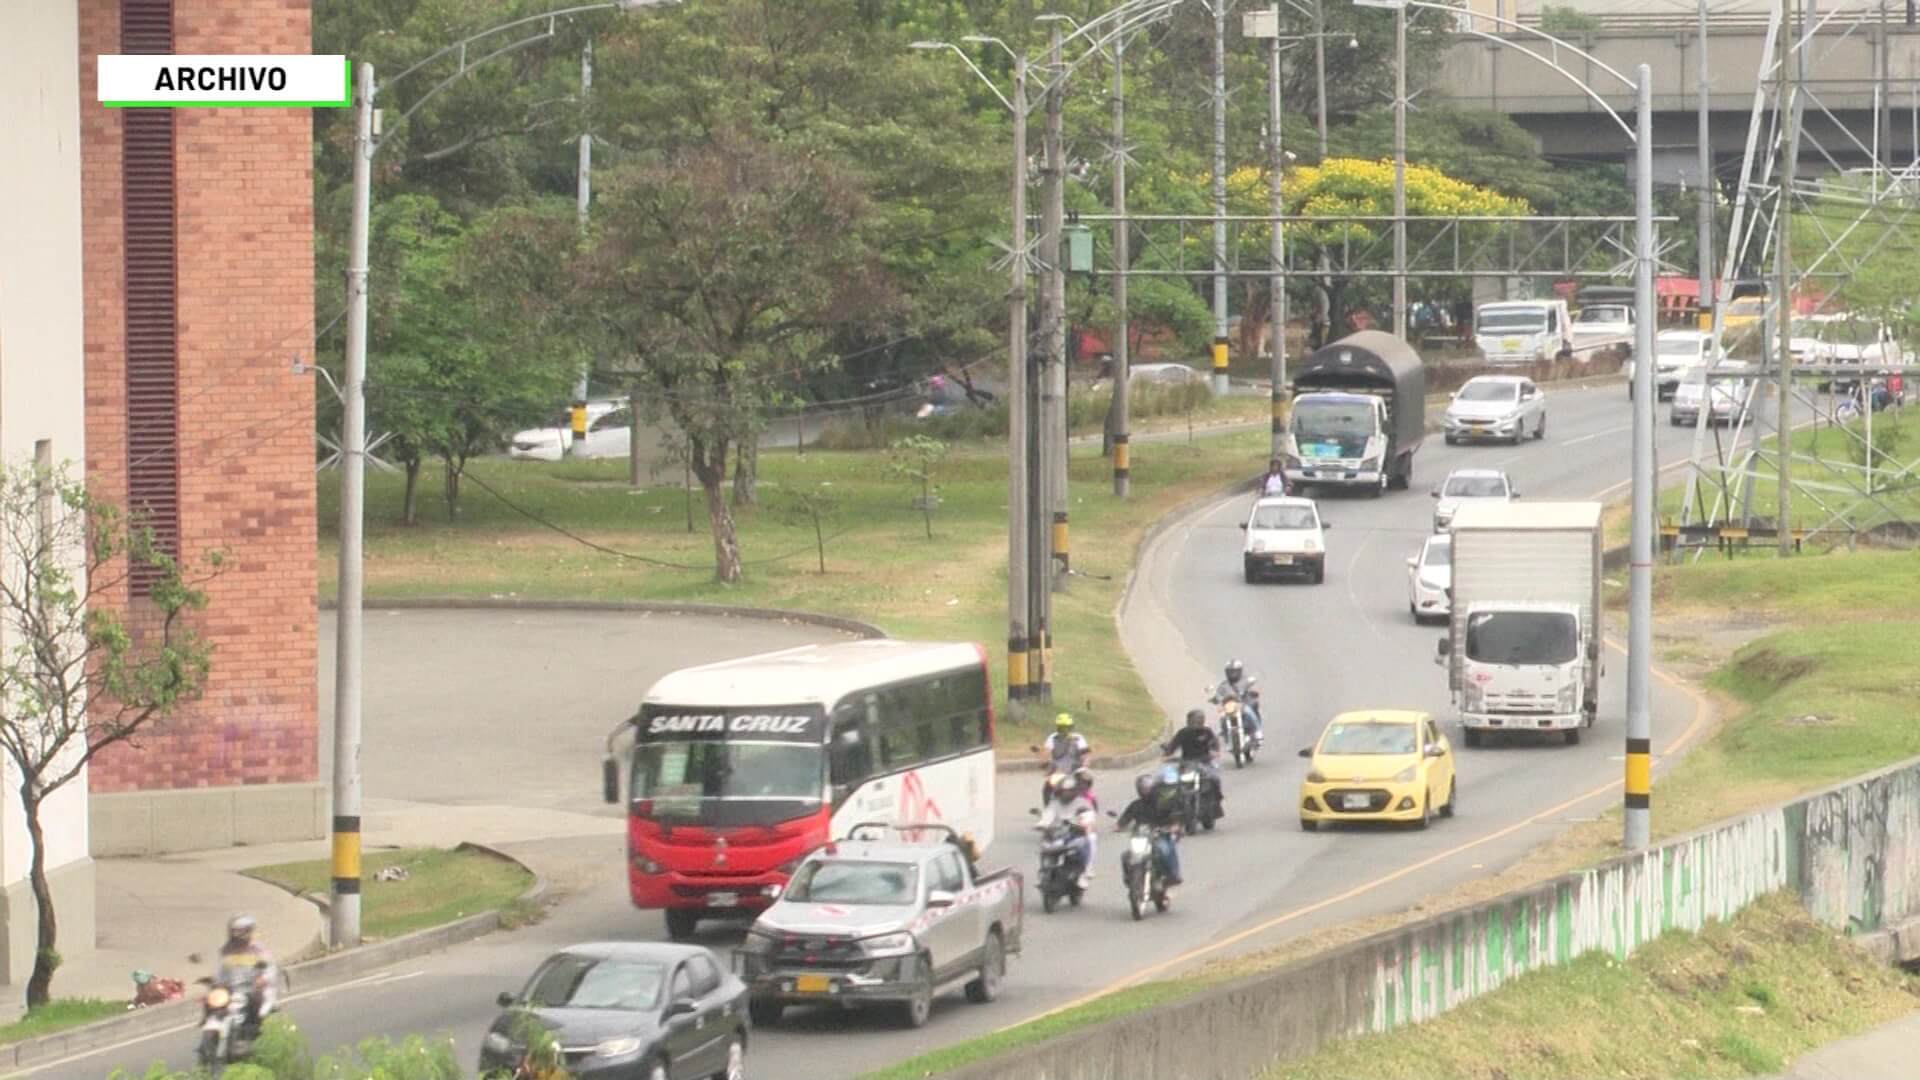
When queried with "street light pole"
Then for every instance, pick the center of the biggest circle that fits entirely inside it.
(1783, 274)
(344, 907)
(1322, 299)
(1400, 172)
(1707, 196)
(1639, 756)
(1055, 328)
(583, 193)
(1020, 638)
(1122, 366)
(1220, 382)
(1276, 238)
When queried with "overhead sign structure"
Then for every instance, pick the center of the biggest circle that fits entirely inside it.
(1390, 5)
(1263, 24)
(225, 82)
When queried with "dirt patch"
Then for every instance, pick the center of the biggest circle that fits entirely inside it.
(1770, 669)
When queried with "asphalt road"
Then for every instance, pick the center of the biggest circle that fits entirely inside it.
(1256, 882)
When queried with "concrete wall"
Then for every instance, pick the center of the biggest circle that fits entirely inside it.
(41, 395)
(1851, 853)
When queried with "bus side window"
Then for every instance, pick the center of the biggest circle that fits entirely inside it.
(851, 753)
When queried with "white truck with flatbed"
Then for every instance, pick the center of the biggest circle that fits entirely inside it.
(1523, 641)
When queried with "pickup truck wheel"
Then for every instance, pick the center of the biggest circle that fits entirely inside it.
(681, 923)
(1573, 736)
(993, 968)
(765, 1012)
(915, 1011)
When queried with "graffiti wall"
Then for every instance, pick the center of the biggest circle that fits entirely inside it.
(1850, 852)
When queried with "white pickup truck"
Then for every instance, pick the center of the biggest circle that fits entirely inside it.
(1523, 645)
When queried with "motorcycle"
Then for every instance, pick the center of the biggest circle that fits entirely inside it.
(1199, 801)
(1233, 734)
(1059, 877)
(1146, 878)
(226, 1036)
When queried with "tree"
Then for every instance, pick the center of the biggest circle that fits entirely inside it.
(918, 458)
(723, 272)
(78, 676)
(811, 507)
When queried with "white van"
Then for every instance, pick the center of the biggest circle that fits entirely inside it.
(1523, 331)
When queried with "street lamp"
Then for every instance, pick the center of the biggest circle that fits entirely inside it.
(344, 910)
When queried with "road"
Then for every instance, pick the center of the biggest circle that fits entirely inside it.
(1257, 882)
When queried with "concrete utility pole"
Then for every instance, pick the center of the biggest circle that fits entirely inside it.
(1783, 286)
(1322, 301)
(1276, 237)
(1400, 172)
(1020, 636)
(1639, 767)
(1121, 260)
(344, 907)
(1709, 192)
(1220, 383)
(584, 178)
(1055, 387)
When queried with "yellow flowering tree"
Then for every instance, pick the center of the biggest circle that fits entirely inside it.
(1340, 190)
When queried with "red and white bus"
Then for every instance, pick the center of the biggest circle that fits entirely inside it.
(739, 769)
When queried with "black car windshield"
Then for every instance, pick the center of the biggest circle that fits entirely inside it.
(593, 982)
(1522, 637)
(1489, 391)
(1475, 487)
(1368, 737)
(845, 882)
(1333, 420)
(1283, 517)
(1512, 322)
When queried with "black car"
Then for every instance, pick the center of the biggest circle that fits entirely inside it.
(623, 1010)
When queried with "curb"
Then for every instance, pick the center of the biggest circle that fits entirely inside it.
(651, 607)
(308, 975)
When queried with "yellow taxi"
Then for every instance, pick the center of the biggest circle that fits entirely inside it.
(1378, 765)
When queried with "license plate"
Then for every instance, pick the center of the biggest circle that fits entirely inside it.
(812, 984)
(723, 899)
(1355, 802)
(1283, 560)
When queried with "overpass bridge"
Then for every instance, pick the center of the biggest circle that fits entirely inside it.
(1858, 59)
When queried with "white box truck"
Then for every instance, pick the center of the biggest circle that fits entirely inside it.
(1523, 645)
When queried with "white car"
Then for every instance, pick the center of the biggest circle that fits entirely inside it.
(1469, 485)
(1508, 407)
(1674, 352)
(552, 442)
(1285, 536)
(1429, 576)
(1729, 397)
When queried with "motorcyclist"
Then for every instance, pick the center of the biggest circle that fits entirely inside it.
(1197, 745)
(1072, 803)
(1154, 806)
(1237, 687)
(241, 955)
(1067, 752)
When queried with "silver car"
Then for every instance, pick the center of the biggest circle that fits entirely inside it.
(1507, 408)
(1469, 485)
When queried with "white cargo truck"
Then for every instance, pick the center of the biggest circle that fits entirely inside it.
(1523, 645)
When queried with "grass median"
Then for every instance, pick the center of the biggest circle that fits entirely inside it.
(879, 563)
(433, 886)
(59, 1015)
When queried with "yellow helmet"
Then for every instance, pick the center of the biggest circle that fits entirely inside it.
(1064, 720)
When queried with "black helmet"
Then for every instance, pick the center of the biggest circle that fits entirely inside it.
(1235, 670)
(1196, 718)
(1143, 784)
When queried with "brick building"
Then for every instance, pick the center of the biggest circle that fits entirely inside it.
(198, 271)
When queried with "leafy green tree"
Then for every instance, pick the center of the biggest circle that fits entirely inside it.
(724, 272)
(918, 458)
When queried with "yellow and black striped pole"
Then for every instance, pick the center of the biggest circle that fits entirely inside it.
(1639, 780)
(579, 423)
(1060, 554)
(1043, 664)
(1122, 470)
(346, 870)
(1016, 669)
(1220, 382)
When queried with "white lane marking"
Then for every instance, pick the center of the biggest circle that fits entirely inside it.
(377, 977)
(1354, 597)
(1595, 435)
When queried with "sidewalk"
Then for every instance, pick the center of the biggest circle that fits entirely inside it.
(1885, 1053)
(152, 913)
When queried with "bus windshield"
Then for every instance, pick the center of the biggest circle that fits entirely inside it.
(732, 767)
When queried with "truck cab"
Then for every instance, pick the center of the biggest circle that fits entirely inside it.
(1523, 331)
(1357, 415)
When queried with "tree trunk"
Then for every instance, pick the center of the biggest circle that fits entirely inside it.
(410, 503)
(633, 444)
(45, 956)
(1253, 319)
(453, 487)
(819, 542)
(746, 466)
(710, 468)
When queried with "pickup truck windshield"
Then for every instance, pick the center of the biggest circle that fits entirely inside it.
(1677, 347)
(1522, 321)
(1333, 420)
(833, 882)
(1368, 738)
(1601, 315)
(1522, 637)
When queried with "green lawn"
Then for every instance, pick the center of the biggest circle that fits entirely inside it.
(1833, 481)
(881, 567)
(59, 1015)
(1739, 998)
(440, 887)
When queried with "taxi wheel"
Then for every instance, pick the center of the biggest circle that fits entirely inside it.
(1309, 826)
(1426, 812)
(1453, 796)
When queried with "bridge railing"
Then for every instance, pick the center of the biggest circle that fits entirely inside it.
(1687, 22)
